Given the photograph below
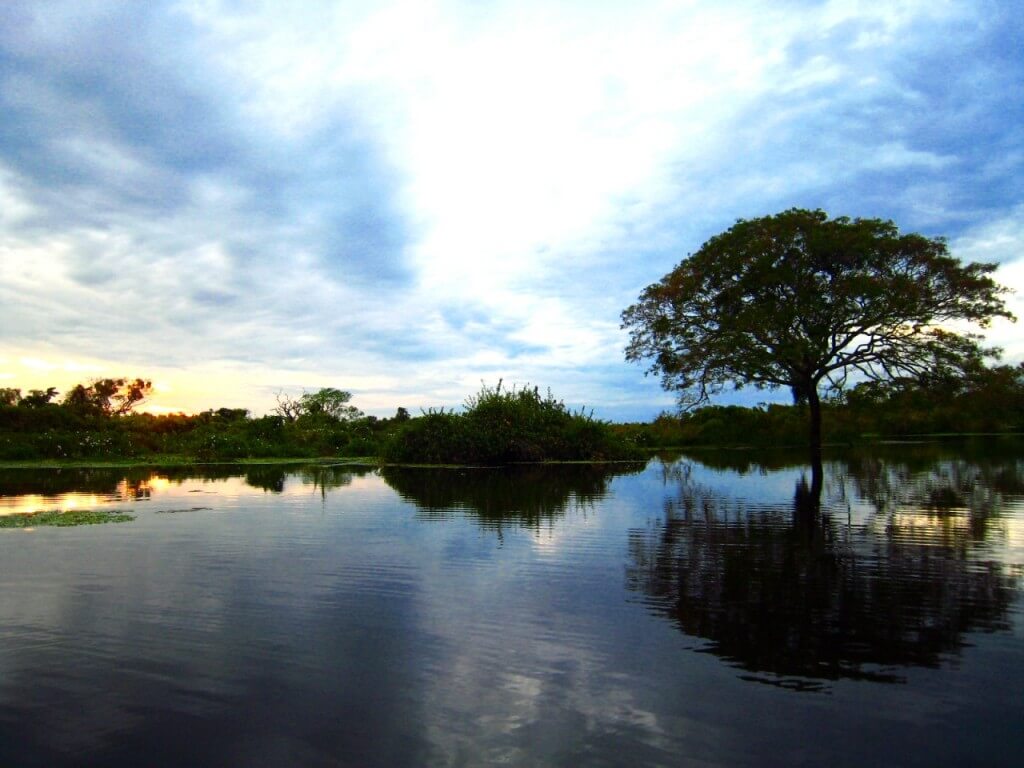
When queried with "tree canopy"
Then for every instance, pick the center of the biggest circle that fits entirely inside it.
(802, 301)
(109, 397)
(326, 402)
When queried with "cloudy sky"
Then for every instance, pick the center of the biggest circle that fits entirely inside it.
(403, 199)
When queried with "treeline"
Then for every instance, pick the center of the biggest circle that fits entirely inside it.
(986, 400)
(496, 426)
(96, 421)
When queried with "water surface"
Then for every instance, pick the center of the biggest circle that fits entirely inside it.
(684, 613)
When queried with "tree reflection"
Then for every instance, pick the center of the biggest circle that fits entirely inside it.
(266, 477)
(797, 595)
(525, 496)
(135, 483)
(110, 483)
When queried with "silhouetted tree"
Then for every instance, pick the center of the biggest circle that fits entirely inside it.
(109, 397)
(36, 398)
(800, 301)
(328, 401)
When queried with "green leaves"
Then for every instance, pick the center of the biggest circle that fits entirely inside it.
(803, 301)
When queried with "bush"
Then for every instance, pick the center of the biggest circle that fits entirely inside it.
(502, 427)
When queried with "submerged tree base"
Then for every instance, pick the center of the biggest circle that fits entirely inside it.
(57, 519)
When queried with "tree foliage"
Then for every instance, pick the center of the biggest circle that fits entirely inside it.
(37, 398)
(109, 397)
(502, 426)
(802, 301)
(327, 402)
(331, 402)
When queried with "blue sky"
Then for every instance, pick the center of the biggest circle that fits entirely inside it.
(403, 199)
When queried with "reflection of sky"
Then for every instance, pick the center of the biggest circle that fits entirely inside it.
(297, 628)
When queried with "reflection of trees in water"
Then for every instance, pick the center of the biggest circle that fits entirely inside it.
(950, 491)
(326, 478)
(57, 482)
(525, 496)
(135, 483)
(323, 478)
(266, 477)
(776, 590)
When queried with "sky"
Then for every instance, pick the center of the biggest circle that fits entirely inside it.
(406, 199)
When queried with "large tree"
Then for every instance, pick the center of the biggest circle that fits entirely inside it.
(802, 301)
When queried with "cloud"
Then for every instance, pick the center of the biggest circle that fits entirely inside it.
(435, 193)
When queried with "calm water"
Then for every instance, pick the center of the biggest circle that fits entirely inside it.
(682, 613)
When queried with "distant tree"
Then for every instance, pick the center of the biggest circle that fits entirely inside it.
(402, 414)
(109, 397)
(800, 301)
(288, 407)
(9, 396)
(330, 402)
(231, 414)
(37, 398)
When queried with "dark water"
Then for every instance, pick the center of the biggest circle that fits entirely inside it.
(686, 613)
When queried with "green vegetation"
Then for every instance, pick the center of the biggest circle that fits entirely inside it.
(800, 301)
(506, 426)
(87, 426)
(54, 518)
(981, 401)
(498, 426)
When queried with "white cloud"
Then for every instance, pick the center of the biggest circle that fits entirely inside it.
(1000, 241)
(402, 198)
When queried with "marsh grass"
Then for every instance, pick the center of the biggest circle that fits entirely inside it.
(54, 518)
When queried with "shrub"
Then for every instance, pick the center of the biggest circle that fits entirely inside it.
(505, 426)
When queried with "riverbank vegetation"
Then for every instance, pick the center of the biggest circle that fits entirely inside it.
(983, 401)
(499, 426)
(496, 426)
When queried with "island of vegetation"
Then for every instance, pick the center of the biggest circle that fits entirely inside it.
(851, 316)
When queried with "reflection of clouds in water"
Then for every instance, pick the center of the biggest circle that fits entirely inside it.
(542, 700)
(292, 627)
(254, 624)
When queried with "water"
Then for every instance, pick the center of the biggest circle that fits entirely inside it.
(683, 613)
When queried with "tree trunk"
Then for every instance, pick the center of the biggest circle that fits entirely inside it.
(817, 471)
(814, 406)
